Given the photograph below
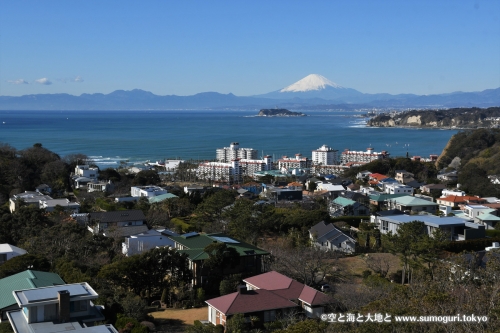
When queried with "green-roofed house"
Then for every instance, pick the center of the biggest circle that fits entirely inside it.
(409, 204)
(25, 280)
(346, 207)
(193, 244)
(381, 199)
(161, 197)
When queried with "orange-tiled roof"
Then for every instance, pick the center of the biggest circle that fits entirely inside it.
(378, 176)
(456, 198)
(294, 184)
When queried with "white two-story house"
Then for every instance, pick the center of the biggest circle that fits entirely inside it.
(61, 308)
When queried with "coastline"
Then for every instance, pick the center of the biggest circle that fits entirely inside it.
(195, 135)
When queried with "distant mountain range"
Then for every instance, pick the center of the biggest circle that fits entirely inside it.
(312, 92)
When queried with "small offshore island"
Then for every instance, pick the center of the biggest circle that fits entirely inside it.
(279, 113)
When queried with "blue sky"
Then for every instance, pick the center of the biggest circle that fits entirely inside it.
(247, 48)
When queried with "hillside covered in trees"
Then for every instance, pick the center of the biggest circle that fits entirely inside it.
(479, 154)
(450, 118)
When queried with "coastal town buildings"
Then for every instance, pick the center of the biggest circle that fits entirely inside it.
(228, 154)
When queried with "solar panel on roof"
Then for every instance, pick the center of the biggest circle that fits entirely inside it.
(36, 295)
(225, 240)
(190, 234)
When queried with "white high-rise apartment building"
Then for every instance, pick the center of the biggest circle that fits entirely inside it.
(228, 154)
(325, 155)
(297, 162)
(219, 171)
(249, 167)
(362, 156)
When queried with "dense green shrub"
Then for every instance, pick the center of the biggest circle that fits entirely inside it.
(470, 245)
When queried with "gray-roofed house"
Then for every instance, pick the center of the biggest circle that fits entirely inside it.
(122, 223)
(60, 308)
(24, 280)
(328, 237)
(8, 251)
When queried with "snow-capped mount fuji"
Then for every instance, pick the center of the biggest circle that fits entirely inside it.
(310, 82)
(315, 86)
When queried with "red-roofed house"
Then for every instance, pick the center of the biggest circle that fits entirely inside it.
(268, 296)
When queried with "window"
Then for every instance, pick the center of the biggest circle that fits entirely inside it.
(385, 225)
(269, 316)
(78, 306)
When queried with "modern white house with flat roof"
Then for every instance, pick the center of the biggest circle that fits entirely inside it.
(50, 205)
(28, 198)
(137, 244)
(147, 191)
(396, 188)
(61, 308)
(87, 171)
(457, 228)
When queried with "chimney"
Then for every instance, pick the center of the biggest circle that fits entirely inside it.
(242, 290)
(63, 300)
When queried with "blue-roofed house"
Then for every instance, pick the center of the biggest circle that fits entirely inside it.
(457, 228)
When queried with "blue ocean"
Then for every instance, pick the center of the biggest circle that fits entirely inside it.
(137, 136)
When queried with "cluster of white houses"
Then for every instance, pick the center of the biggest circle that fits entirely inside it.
(234, 162)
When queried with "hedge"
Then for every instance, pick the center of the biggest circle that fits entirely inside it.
(493, 233)
(353, 221)
(470, 245)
